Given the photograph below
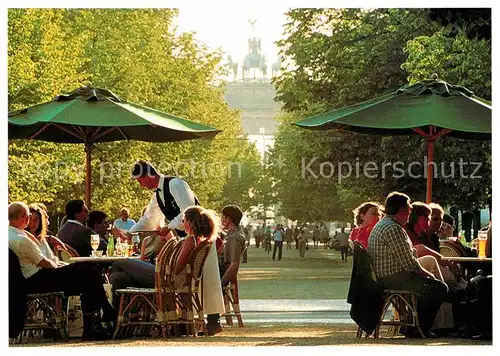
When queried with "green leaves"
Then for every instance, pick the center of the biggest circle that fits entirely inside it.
(338, 57)
(136, 54)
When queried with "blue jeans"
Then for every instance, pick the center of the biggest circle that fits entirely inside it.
(132, 273)
(278, 244)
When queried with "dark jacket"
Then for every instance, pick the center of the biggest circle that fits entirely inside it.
(365, 295)
(17, 296)
(77, 237)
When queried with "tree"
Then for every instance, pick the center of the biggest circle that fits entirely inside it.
(136, 54)
(337, 57)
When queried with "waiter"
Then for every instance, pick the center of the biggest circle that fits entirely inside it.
(171, 197)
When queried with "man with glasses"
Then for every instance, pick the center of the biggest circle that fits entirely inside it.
(435, 225)
(395, 262)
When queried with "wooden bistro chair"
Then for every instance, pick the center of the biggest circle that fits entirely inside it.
(404, 304)
(44, 311)
(169, 297)
(232, 299)
(140, 308)
(453, 249)
(65, 252)
(232, 303)
(165, 297)
(189, 296)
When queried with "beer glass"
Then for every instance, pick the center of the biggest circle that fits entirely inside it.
(94, 243)
(482, 236)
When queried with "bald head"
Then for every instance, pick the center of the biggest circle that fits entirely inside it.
(18, 212)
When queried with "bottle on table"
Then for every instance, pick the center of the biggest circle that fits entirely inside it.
(111, 246)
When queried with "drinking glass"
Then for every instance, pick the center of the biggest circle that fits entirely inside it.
(482, 236)
(94, 243)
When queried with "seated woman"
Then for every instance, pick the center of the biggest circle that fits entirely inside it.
(37, 226)
(201, 224)
(417, 229)
(366, 216)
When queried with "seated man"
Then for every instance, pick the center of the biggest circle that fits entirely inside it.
(98, 222)
(124, 223)
(44, 276)
(74, 232)
(447, 228)
(396, 265)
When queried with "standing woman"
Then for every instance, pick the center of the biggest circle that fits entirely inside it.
(366, 216)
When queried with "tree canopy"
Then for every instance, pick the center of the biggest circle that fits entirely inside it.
(138, 55)
(338, 57)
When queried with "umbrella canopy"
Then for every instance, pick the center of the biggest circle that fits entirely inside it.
(89, 115)
(431, 108)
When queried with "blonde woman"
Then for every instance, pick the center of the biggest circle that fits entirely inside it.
(201, 224)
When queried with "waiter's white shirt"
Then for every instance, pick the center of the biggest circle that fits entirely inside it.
(153, 216)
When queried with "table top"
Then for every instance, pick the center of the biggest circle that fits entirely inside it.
(467, 259)
(102, 259)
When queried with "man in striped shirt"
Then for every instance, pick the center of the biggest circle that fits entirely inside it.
(395, 261)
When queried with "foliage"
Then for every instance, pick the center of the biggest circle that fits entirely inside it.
(136, 54)
(338, 57)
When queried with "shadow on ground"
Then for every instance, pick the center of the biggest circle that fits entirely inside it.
(269, 335)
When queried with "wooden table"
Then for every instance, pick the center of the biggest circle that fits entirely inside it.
(467, 259)
(101, 259)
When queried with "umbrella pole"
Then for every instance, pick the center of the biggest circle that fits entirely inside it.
(430, 165)
(88, 174)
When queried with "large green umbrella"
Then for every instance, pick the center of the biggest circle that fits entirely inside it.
(89, 115)
(431, 108)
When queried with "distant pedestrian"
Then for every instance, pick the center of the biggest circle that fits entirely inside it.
(296, 233)
(344, 243)
(279, 233)
(316, 235)
(257, 236)
(246, 230)
(324, 236)
(302, 242)
(288, 237)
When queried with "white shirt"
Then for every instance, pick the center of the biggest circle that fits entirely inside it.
(75, 222)
(153, 216)
(27, 251)
(47, 251)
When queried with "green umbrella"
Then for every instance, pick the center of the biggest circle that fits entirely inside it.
(431, 108)
(89, 115)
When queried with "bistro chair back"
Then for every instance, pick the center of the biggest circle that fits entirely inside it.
(189, 295)
(64, 254)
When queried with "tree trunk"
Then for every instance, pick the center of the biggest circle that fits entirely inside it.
(467, 218)
(476, 222)
(490, 206)
(454, 213)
